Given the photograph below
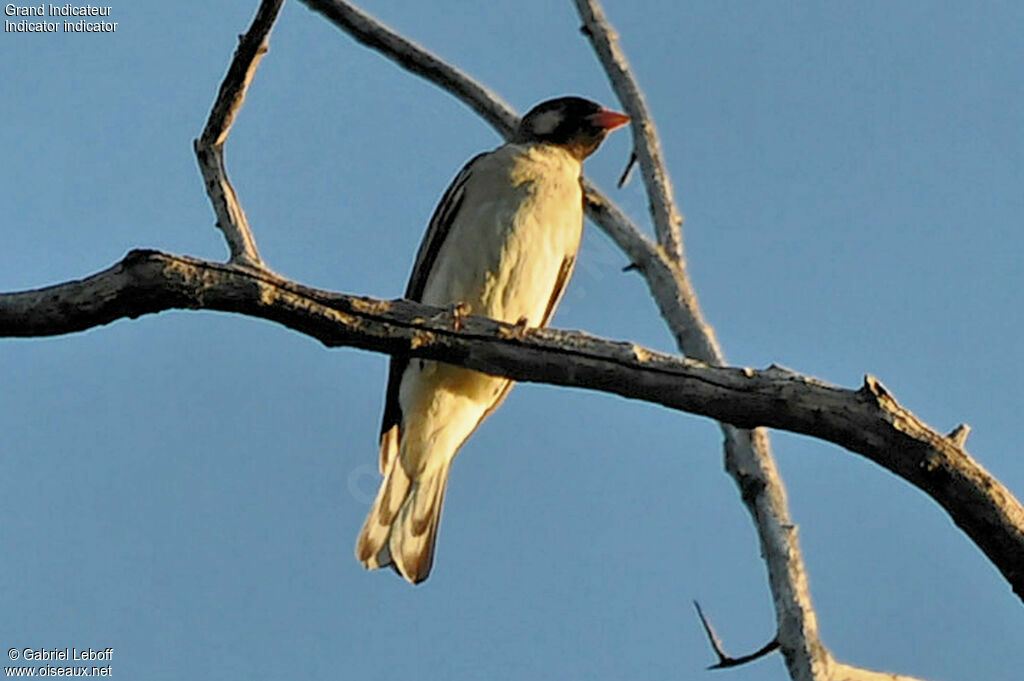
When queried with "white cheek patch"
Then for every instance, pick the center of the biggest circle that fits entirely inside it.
(546, 123)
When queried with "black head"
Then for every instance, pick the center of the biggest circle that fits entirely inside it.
(575, 123)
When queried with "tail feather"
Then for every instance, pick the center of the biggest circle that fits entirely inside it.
(372, 545)
(388, 448)
(401, 528)
(414, 534)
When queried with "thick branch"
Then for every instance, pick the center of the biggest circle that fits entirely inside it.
(748, 456)
(868, 421)
(209, 147)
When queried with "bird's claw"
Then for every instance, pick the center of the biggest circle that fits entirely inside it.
(459, 311)
(517, 330)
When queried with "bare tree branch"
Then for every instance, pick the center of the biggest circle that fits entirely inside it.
(667, 219)
(371, 32)
(666, 278)
(209, 147)
(724, 659)
(748, 456)
(627, 172)
(831, 669)
(868, 421)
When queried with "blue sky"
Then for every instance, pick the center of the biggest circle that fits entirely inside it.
(187, 488)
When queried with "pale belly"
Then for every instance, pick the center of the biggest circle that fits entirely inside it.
(503, 262)
(506, 274)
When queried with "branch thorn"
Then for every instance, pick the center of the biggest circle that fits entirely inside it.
(628, 171)
(959, 434)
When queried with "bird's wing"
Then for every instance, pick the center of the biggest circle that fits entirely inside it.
(565, 270)
(437, 231)
(561, 281)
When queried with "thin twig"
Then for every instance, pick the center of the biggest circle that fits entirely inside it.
(209, 147)
(627, 171)
(724, 659)
(666, 216)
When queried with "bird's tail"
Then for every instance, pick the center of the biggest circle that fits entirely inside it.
(402, 525)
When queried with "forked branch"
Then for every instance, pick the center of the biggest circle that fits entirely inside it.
(209, 147)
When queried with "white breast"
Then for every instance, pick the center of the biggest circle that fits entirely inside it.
(520, 217)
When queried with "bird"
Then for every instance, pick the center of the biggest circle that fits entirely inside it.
(502, 243)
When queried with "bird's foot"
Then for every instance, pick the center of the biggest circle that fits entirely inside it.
(518, 330)
(458, 311)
